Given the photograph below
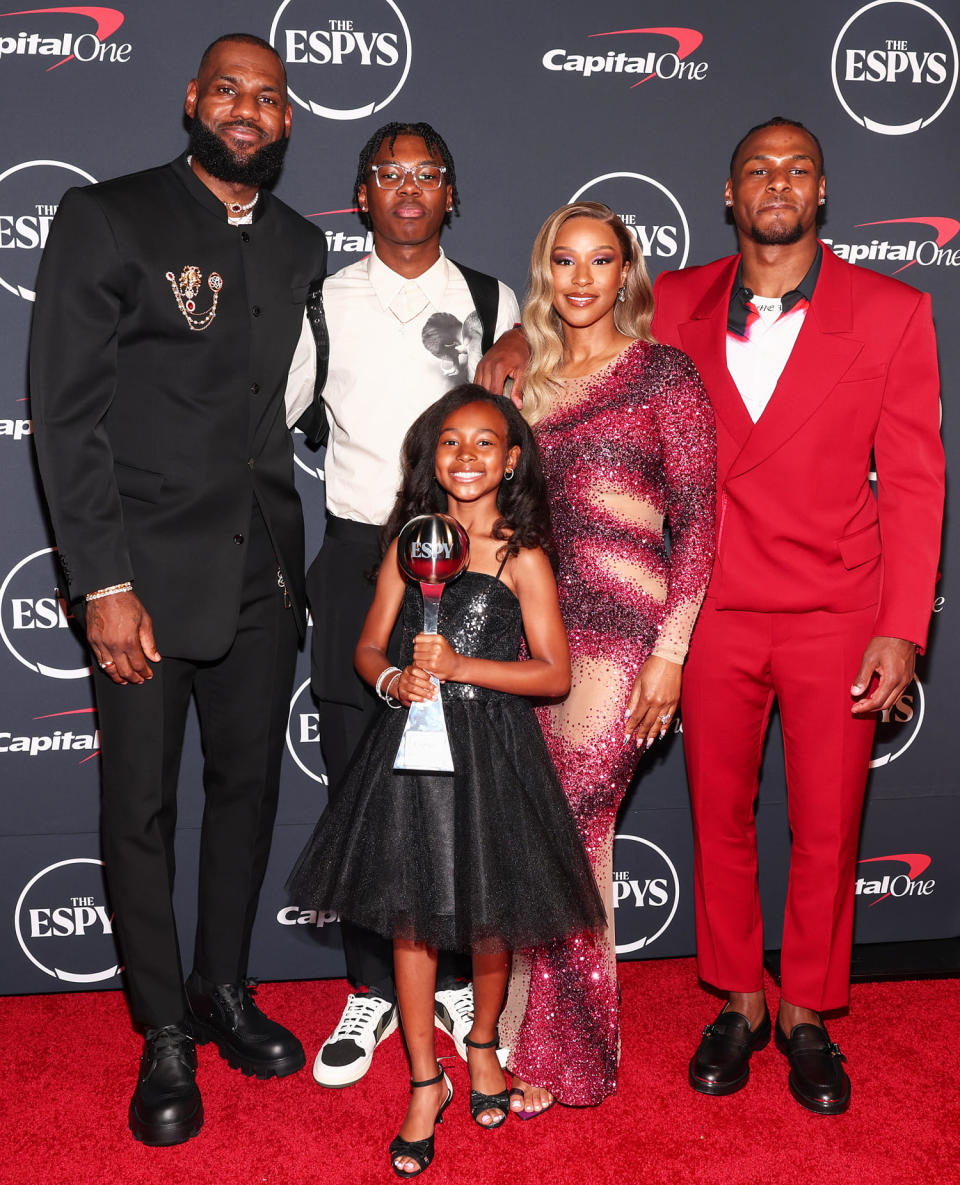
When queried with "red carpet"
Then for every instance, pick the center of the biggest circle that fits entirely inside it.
(70, 1061)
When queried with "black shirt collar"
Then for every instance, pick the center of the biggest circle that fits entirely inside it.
(740, 296)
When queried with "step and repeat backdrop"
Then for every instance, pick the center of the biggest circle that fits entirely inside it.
(634, 104)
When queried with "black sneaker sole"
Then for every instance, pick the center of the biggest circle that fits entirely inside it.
(277, 1068)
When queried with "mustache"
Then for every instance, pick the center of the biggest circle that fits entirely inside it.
(244, 123)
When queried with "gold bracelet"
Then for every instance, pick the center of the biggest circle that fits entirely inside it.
(110, 591)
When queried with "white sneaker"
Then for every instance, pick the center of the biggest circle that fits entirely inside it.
(453, 1014)
(346, 1054)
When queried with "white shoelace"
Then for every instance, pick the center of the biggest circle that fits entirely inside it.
(461, 1004)
(359, 1014)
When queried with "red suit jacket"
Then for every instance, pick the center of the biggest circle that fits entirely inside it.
(798, 526)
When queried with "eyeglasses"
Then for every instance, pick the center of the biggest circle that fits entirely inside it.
(392, 176)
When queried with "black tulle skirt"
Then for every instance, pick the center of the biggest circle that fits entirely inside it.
(488, 858)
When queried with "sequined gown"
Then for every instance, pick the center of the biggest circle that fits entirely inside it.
(488, 858)
(623, 450)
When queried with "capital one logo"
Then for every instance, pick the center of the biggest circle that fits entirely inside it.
(651, 213)
(908, 243)
(892, 879)
(66, 735)
(29, 195)
(63, 923)
(48, 35)
(894, 66)
(35, 619)
(662, 52)
(303, 734)
(343, 60)
(899, 726)
(646, 892)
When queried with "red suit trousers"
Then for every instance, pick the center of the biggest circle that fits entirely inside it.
(739, 662)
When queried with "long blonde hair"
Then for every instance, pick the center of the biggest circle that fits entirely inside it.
(541, 322)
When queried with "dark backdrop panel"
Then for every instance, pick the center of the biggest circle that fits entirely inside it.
(539, 102)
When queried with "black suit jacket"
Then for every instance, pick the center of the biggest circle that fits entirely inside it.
(154, 435)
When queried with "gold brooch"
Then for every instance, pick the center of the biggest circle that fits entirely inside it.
(185, 293)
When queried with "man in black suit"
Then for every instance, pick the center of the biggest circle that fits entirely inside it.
(169, 304)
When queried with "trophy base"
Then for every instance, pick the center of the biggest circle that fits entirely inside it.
(424, 746)
(424, 752)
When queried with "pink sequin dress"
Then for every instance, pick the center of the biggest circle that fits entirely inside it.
(624, 450)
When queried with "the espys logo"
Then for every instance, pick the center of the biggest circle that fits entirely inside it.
(51, 36)
(62, 920)
(307, 457)
(890, 880)
(913, 244)
(899, 726)
(646, 892)
(647, 58)
(344, 61)
(29, 195)
(303, 734)
(894, 66)
(651, 213)
(35, 619)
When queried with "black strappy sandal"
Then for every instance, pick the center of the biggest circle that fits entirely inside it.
(420, 1150)
(480, 1102)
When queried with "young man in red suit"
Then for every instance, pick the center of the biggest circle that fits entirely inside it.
(821, 591)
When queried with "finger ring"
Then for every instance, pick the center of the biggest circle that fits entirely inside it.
(664, 719)
(108, 663)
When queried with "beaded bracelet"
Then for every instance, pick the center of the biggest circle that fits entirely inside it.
(110, 591)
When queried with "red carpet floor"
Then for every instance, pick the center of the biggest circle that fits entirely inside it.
(70, 1061)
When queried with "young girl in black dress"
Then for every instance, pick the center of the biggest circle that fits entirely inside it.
(487, 859)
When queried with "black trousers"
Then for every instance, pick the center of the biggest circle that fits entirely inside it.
(242, 701)
(341, 591)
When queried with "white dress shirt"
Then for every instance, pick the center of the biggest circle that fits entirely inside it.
(756, 362)
(396, 346)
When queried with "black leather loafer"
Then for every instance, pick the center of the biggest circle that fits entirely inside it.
(817, 1079)
(166, 1107)
(721, 1064)
(226, 1014)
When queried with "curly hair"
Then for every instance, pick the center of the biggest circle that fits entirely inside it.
(522, 503)
(435, 145)
(541, 322)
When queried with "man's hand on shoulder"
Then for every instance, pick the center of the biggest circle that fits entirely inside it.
(120, 634)
(892, 662)
(506, 359)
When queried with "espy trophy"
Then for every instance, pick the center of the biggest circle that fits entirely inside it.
(431, 549)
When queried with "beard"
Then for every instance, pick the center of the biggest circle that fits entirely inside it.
(222, 162)
(778, 235)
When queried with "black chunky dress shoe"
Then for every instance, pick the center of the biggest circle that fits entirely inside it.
(225, 1013)
(721, 1064)
(166, 1107)
(817, 1079)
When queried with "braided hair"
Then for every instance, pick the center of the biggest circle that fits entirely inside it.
(390, 131)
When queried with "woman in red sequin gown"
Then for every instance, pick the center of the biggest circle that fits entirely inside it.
(627, 438)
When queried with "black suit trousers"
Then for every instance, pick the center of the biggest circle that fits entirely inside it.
(242, 702)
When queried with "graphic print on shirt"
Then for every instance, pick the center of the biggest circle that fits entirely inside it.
(455, 343)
